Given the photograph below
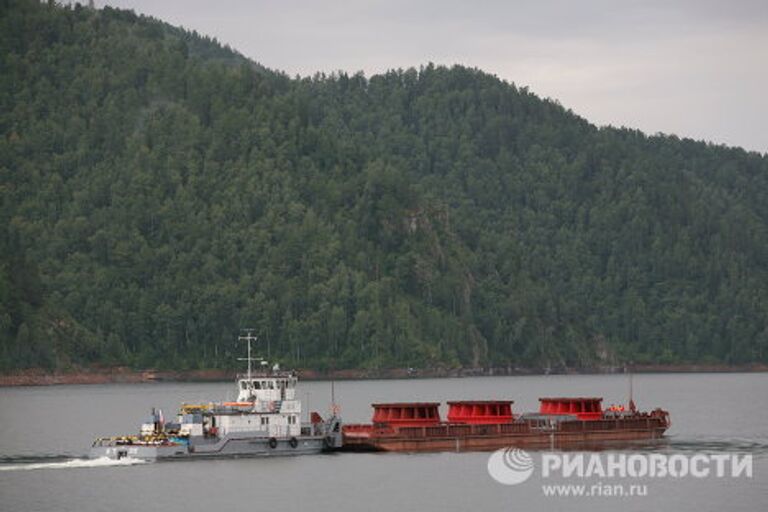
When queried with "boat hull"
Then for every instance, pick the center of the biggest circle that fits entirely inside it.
(577, 434)
(231, 446)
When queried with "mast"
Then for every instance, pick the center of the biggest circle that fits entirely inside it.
(248, 337)
(631, 389)
(334, 407)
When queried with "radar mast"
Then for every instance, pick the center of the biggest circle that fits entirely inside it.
(247, 336)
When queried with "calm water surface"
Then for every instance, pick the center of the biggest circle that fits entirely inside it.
(45, 433)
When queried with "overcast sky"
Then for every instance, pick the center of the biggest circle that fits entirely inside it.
(696, 68)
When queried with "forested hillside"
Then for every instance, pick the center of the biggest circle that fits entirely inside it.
(160, 191)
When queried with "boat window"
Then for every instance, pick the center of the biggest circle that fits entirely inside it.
(244, 385)
(257, 385)
(265, 420)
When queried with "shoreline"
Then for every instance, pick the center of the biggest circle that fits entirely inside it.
(123, 375)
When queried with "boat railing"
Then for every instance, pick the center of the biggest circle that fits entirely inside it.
(360, 432)
(366, 430)
(519, 427)
(452, 430)
(639, 423)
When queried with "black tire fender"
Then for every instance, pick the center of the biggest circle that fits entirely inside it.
(272, 443)
(293, 442)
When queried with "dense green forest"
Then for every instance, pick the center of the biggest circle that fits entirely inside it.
(160, 191)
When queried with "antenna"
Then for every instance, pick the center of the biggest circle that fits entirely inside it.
(248, 336)
(631, 389)
(334, 407)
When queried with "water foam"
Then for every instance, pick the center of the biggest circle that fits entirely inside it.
(74, 463)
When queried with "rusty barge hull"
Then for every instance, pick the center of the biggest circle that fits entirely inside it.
(477, 425)
(487, 442)
(524, 433)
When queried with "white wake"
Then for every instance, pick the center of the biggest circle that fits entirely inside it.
(74, 463)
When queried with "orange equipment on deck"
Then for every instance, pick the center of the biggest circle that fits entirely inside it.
(475, 412)
(407, 414)
(581, 407)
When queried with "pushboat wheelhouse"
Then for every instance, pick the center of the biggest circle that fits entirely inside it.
(265, 420)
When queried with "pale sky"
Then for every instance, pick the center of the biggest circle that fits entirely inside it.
(694, 68)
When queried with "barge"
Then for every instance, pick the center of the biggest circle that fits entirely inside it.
(561, 422)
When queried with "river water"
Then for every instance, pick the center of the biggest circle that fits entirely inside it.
(45, 433)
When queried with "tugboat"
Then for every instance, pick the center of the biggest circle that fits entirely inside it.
(264, 421)
(560, 423)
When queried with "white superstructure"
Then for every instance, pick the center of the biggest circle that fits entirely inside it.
(266, 405)
(265, 420)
